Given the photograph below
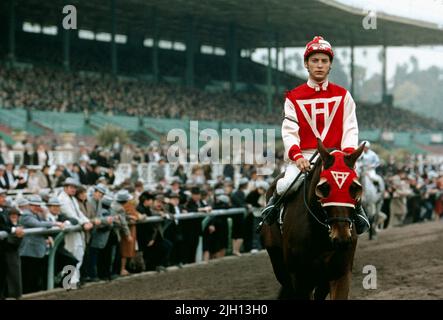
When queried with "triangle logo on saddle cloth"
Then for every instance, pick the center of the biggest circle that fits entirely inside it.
(340, 177)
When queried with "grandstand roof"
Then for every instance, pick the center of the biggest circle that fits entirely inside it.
(295, 21)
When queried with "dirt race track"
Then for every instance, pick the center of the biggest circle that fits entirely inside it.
(408, 260)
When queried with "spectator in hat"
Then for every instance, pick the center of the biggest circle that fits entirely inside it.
(94, 202)
(62, 257)
(5, 225)
(159, 247)
(102, 180)
(9, 266)
(33, 247)
(127, 243)
(146, 232)
(22, 204)
(54, 207)
(106, 238)
(215, 234)
(174, 233)
(176, 188)
(12, 261)
(192, 227)
(238, 201)
(74, 241)
(89, 259)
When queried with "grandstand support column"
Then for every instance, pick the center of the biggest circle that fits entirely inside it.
(155, 51)
(190, 51)
(12, 31)
(113, 43)
(383, 73)
(66, 49)
(269, 83)
(277, 62)
(352, 70)
(233, 56)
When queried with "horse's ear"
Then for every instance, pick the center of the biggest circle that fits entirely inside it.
(356, 190)
(352, 158)
(324, 154)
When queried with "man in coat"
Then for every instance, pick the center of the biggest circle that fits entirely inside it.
(74, 241)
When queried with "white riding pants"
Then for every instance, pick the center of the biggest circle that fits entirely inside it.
(291, 173)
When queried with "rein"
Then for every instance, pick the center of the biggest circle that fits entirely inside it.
(327, 221)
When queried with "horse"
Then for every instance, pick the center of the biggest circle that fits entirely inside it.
(312, 252)
(372, 199)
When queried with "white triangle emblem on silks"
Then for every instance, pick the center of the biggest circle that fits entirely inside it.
(317, 107)
(340, 177)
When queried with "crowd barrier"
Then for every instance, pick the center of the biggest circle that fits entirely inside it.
(193, 215)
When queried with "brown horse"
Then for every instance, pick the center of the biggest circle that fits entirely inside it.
(313, 254)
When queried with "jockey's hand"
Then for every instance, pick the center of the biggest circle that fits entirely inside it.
(303, 165)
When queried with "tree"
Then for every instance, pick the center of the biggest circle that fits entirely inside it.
(106, 135)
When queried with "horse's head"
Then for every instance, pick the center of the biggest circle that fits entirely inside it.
(338, 191)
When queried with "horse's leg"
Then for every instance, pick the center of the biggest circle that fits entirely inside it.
(303, 290)
(340, 287)
(272, 241)
(322, 291)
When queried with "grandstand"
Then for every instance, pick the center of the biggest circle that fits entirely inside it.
(143, 82)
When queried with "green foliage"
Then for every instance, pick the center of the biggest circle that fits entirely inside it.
(106, 135)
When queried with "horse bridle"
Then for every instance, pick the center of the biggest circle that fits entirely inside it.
(327, 220)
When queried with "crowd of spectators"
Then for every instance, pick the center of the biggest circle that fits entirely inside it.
(50, 89)
(114, 242)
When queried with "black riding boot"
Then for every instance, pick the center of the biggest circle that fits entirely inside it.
(270, 213)
(362, 224)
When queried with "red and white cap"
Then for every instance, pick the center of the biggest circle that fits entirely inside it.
(318, 44)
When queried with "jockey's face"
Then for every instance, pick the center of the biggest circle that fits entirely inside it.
(318, 66)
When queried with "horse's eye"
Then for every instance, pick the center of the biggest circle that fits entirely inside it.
(322, 190)
(355, 190)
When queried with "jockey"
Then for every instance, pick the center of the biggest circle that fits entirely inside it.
(318, 108)
(369, 160)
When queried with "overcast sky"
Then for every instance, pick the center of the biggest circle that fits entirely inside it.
(426, 10)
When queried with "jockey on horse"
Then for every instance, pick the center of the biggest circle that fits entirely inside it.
(316, 109)
(368, 162)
